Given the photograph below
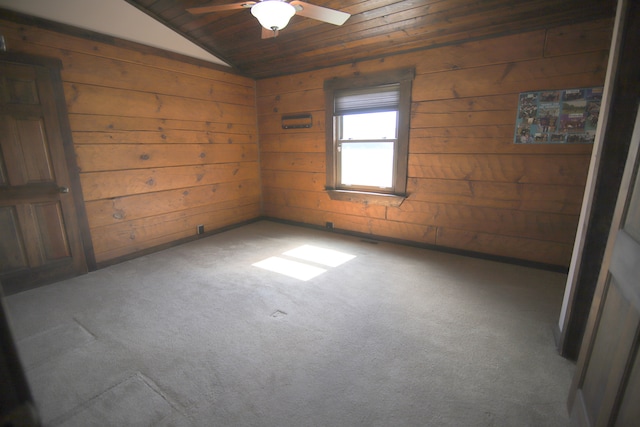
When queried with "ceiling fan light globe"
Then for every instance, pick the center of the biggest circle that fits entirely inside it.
(273, 14)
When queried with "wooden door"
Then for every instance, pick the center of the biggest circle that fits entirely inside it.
(606, 387)
(39, 228)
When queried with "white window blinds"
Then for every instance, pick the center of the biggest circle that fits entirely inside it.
(367, 100)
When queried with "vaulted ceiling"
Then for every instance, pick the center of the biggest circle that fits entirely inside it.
(375, 29)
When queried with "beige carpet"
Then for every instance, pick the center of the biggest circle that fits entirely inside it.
(205, 334)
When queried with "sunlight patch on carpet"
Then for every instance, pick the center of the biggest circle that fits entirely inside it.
(295, 269)
(328, 257)
(302, 270)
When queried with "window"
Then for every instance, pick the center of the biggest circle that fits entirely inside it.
(368, 136)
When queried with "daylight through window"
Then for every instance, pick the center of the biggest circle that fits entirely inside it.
(368, 142)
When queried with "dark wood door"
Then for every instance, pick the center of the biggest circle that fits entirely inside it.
(606, 388)
(39, 228)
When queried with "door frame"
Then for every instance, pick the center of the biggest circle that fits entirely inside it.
(575, 403)
(54, 67)
(622, 90)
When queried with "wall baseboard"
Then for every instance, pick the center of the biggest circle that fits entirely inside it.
(489, 257)
(179, 242)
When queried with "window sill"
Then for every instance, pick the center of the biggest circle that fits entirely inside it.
(393, 200)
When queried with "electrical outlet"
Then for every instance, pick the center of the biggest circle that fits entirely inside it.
(200, 229)
(329, 225)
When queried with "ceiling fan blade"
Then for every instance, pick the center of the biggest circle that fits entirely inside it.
(269, 34)
(320, 13)
(219, 8)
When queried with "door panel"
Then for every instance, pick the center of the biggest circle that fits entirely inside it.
(35, 165)
(19, 86)
(40, 229)
(629, 413)
(51, 226)
(608, 348)
(12, 254)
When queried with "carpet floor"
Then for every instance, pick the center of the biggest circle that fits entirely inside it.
(275, 325)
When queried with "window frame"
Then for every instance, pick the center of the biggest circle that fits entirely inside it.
(397, 194)
(339, 153)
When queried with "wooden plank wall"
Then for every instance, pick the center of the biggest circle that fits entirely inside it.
(471, 187)
(162, 145)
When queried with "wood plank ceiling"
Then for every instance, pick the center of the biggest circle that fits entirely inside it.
(377, 28)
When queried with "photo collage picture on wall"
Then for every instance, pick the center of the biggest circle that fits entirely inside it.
(558, 116)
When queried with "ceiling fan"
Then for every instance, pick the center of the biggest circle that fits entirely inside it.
(274, 15)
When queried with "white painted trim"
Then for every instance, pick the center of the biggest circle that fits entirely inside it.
(592, 177)
(114, 18)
